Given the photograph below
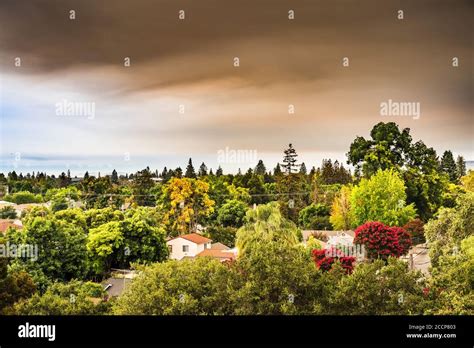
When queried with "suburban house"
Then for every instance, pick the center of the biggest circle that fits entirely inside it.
(220, 254)
(187, 245)
(219, 246)
(195, 245)
(219, 251)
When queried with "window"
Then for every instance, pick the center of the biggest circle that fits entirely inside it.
(170, 248)
(185, 248)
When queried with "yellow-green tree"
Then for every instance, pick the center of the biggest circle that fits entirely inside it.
(467, 181)
(188, 203)
(341, 215)
(381, 198)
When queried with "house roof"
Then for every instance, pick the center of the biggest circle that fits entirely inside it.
(4, 224)
(219, 254)
(195, 238)
(219, 246)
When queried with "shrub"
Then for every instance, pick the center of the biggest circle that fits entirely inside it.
(312, 244)
(416, 230)
(382, 241)
(320, 223)
(325, 262)
(232, 213)
(24, 197)
(224, 235)
(315, 216)
(7, 213)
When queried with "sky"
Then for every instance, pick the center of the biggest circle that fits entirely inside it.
(182, 95)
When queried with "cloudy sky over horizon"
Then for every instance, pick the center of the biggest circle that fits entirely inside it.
(190, 63)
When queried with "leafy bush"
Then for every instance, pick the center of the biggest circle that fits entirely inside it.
(14, 285)
(325, 259)
(452, 225)
(232, 213)
(224, 235)
(312, 244)
(416, 230)
(452, 281)
(23, 197)
(73, 298)
(192, 287)
(382, 241)
(379, 288)
(315, 217)
(8, 212)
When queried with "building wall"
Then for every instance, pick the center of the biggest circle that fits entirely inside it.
(177, 248)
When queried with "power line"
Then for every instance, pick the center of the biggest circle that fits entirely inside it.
(226, 195)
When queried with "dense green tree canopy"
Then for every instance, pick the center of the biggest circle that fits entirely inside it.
(61, 247)
(381, 198)
(232, 213)
(392, 148)
(73, 298)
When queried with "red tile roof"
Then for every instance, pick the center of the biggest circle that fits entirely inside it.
(217, 254)
(4, 224)
(195, 238)
(219, 246)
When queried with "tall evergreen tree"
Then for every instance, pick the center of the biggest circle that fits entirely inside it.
(291, 186)
(449, 166)
(141, 186)
(303, 169)
(190, 173)
(289, 160)
(460, 167)
(260, 168)
(202, 170)
(219, 171)
(277, 170)
(114, 177)
(63, 180)
(256, 189)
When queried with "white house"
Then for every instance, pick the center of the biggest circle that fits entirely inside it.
(187, 245)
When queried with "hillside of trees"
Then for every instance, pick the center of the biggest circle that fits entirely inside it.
(401, 193)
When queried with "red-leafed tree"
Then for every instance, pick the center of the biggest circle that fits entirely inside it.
(325, 258)
(382, 241)
(416, 230)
